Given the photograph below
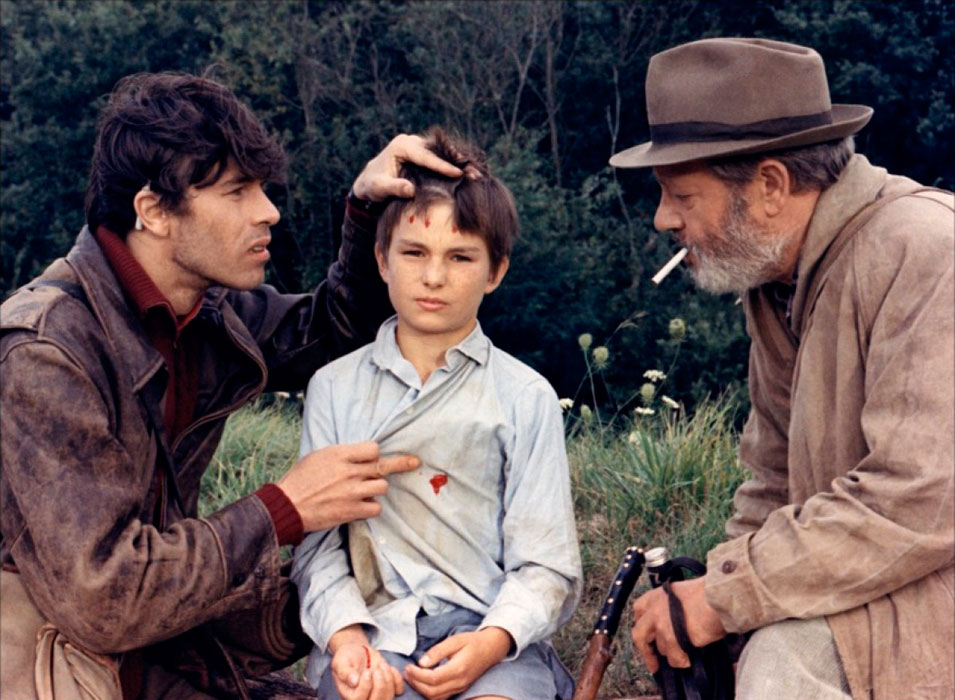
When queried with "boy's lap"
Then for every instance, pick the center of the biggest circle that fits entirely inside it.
(528, 677)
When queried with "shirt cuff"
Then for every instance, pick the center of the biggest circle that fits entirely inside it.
(289, 528)
(733, 589)
(504, 616)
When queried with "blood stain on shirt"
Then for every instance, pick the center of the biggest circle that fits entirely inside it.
(437, 481)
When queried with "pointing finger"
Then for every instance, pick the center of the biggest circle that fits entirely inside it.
(360, 452)
(396, 463)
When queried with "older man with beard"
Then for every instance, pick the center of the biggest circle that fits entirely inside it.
(840, 561)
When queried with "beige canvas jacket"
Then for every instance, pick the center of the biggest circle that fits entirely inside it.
(849, 512)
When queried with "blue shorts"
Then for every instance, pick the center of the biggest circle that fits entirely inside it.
(537, 674)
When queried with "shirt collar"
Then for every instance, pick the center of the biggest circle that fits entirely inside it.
(136, 282)
(387, 355)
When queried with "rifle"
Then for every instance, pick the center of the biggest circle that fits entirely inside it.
(710, 675)
(600, 649)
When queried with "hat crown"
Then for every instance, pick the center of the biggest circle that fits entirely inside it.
(735, 81)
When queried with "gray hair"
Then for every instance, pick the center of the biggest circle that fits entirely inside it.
(814, 167)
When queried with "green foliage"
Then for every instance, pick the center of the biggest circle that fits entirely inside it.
(550, 89)
(259, 445)
(666, 479)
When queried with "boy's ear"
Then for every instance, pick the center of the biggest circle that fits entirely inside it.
(496, 277)
(382, 263)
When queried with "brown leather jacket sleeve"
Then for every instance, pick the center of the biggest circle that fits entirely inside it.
(297, 334)
(72, 495)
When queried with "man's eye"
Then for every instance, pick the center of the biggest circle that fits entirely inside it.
(412, 253)
(462, 258)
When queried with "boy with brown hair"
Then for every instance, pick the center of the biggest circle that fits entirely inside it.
(473, 563)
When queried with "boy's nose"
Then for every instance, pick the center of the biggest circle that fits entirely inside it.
(435, 273)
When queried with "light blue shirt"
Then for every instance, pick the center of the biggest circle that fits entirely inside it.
(498, 538)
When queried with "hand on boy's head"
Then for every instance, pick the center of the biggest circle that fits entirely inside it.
(379, 179)
(339, 484)
(469, 655)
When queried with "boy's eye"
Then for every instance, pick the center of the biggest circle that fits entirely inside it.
(412, 252)
(461, 258)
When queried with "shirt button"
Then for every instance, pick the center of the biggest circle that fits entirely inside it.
(728, 567)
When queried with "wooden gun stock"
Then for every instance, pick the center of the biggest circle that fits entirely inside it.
(600, 648)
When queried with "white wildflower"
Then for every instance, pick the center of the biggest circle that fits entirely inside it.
(633, 438)
(677, 328)
(601, 355)
(641, 411)
(654, 375)
(566, 404)
(647, 392)
(669, 402)
(586, 413)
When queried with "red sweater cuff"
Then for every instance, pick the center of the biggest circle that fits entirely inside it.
(289, 528)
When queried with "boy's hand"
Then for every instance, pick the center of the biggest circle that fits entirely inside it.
(339, 484)
(359, 671)
(379, 179)
(469, 655)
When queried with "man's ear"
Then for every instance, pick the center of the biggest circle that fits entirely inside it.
(774, 186)
(150, 214)
(496, 277)
(382, 263)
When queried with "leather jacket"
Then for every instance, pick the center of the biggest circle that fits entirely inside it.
(82, 440)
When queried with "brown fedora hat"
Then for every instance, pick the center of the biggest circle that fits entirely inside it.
(720, 97)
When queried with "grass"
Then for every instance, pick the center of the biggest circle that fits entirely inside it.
(658, 480)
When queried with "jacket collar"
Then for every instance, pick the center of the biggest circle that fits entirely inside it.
(859, 184)
(138, 286)
(118, 318)
(121, 322)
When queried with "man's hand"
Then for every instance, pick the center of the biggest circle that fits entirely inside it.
(379, 179)
(469, 655)
(652, 625)
(339, 484)
(359, 671)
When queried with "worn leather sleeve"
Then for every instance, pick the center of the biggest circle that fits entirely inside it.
(72, 496)
(297, 334)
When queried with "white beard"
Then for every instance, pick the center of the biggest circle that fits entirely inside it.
(745, 255)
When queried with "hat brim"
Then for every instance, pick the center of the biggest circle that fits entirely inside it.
(846, 120)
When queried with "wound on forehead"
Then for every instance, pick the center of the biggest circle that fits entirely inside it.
(481, 204)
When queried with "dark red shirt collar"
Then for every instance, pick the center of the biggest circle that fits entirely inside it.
(136, 282)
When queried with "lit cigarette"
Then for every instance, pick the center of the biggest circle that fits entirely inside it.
(668, 268)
